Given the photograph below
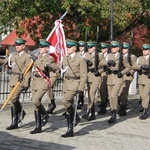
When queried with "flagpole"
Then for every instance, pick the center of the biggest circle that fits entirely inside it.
(62, 17)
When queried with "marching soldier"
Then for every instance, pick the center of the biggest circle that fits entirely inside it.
(142, 65)
(128, 77)
(18, 61)
(75, 76)
(103, 84)
(41, 84)
(115, 78)
(93, 80)
(82, 50)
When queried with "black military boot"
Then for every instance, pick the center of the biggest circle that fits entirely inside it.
(92, 116)
(80, 101)
(122, 110)
(102, 109)
(141, 110)
(38, 127)
(69, 132)
(144, 114)
(45, 115)
(87, 115)
(51, 107)
(21, 114)
(113, 117)
(14, 117)
(71, 111)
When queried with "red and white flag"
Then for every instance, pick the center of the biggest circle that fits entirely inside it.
(57, 40)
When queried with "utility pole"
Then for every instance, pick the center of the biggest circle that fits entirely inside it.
(111, 19)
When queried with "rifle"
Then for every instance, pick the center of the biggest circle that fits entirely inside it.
(96, 50)
(121, 56)
(85, 45)
(130, 48)
(149, 68)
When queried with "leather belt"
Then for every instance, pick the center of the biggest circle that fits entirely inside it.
(142, 72)
(72, 77)
(114, 71)
(37, 76)
(16, 73)
(91, 70)
(105, 68)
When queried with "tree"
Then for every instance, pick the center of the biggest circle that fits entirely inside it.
(37, 17)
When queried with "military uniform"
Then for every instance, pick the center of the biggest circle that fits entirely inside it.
(115, 78)
(40, 85)
(142, 66)
(19, 62)
(93, 80)
(81, 53)
(75, 76)
(103, 84)
(128, 77)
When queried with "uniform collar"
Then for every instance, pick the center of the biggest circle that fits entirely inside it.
(20, 53)
(72, 55)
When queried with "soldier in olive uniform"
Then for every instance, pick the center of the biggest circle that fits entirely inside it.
(75, 76)
(115, 78)
(40, 85)
(103, 85)
(128, 77)
(142, 66)
(93, 79)
(19, 62)
(82, 50)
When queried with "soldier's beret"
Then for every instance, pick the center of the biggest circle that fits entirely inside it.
(146, 46)
(20, 41)
(44, 43)
(82, 43)
(104, 45)
(115, 43)
(71, 42)
(91, 44)
(126, 45)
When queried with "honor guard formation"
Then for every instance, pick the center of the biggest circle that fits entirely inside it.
(88, 68)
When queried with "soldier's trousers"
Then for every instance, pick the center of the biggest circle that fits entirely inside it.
(113, 91)
(144, 90)
(103, 89)
(68, 98)
(37, 97)
(92, 88)
(124, 92)
(50, 93)
(16, 95)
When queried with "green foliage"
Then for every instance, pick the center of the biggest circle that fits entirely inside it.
(82, 15)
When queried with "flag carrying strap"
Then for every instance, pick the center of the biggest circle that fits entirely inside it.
(46, 78)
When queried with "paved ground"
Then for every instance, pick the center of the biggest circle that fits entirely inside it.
(129, 133)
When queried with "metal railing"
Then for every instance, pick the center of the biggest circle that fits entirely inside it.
(4, 87)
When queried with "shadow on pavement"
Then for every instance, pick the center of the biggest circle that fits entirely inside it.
(10, 142)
